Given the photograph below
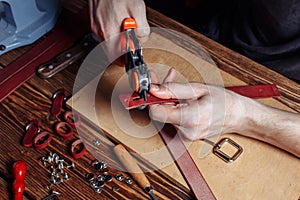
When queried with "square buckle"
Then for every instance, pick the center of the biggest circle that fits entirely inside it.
(227, 158)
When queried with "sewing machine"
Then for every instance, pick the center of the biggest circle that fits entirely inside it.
(23, 22)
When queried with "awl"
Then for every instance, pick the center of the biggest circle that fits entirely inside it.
(132, 167)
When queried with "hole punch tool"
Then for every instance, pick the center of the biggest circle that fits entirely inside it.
(136, 68)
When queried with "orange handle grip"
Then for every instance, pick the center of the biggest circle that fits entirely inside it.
(128, 23)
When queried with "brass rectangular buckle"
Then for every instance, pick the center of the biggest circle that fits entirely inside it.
(227, 158)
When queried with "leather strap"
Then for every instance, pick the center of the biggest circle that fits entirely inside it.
(256, 91)
(186, 164)
(131, 101)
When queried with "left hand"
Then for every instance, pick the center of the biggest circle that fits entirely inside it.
(208, 110)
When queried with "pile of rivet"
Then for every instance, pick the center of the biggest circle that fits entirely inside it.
(98, 181)
(58, 169)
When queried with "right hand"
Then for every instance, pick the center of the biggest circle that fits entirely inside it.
(107, 16)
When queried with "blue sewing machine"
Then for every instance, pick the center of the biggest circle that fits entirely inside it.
(24, 21)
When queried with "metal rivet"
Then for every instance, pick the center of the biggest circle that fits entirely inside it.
(89, 176)
(96, 142)
(116, 188)
(100, 183)
(128, 180)
(93, 184)
(101, 178)
(72, 165)
(98, 166)
(2, 47)
(66, 176)
(119, 177)
(108, 178)
(98, 190)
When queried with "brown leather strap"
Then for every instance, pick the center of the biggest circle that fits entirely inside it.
(186, 164)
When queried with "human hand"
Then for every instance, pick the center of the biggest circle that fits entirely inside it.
(208, 110)
(106, 17)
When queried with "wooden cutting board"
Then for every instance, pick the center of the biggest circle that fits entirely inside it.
(261, 172)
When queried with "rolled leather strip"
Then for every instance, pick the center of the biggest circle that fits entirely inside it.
(31, 130)
(72, 118)
(58, 98)
(42, 140)
(64, 129)
(82, 149)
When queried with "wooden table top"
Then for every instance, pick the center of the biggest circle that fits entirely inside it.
(33, 100)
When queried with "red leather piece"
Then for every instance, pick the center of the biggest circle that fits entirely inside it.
(82, 151)
(72, 118)
(42, 140)
(256, 91)
(31, 130)
(58, 98)
(64, 129)
(131, 101)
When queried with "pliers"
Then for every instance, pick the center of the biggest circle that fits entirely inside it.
(136, 68)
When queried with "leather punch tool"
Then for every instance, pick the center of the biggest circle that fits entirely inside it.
(136, 68)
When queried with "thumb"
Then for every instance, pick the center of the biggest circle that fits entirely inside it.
(172, 90)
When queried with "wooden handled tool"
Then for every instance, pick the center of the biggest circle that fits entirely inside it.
(136, 172)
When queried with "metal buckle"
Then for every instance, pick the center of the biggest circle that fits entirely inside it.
(227, 158)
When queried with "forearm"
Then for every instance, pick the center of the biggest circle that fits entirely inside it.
(273, 126)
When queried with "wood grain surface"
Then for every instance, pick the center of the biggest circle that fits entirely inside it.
(33, 101)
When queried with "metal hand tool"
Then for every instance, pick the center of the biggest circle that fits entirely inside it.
(136, 68)
(52, 196)
(136, 172)
(68, 57)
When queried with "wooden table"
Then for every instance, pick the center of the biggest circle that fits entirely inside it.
(33, 100)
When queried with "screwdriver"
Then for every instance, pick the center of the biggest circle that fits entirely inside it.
(136, 172)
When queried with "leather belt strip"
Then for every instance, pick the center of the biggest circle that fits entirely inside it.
(186, 164)
(63, 36)
(132, 100)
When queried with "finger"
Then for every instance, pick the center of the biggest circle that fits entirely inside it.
(154, 78)
(143, 28)
(172, 90)
(166, 113)
(171, 76)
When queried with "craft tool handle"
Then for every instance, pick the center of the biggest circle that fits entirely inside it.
(131, 165)
(19, 173)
